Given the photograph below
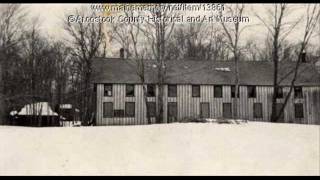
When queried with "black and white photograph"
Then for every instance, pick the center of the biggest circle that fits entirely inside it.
(180, 89)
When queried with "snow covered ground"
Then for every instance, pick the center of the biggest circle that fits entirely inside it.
(171, 149)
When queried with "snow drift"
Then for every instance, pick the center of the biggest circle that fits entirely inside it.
(168, 149)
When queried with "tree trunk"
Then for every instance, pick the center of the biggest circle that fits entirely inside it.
(160, 104)
(274, 115)
(146, 103)
(2, 113)
(235, 106)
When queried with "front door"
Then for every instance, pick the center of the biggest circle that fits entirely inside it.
(172, 112)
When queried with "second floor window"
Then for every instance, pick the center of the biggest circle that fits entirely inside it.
(172, 90)
(298, 92)
(279, 92)
(217, 91)
(108, 90)
(151, 90)
(129, 90)
(252, 93)
(195, 91)
(233, 91)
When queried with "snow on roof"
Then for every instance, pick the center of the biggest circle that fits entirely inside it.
(227, 69)
(12, 113)
(65, 106)
(39, 108)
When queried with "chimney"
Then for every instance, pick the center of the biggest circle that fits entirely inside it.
(303, 57)
(121, 53)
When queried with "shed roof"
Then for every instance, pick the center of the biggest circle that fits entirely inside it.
(39, 108)
(115, 70)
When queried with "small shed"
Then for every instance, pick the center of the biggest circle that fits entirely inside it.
(70, 114)
(37, 114)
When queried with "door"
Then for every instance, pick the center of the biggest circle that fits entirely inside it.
(172, 112)
(204, 110)
(227, 110)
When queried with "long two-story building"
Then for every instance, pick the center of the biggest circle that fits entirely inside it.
(196, 88)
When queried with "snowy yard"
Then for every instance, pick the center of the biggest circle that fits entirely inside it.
(172, 149)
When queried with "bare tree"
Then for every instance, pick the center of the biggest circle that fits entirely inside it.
(11, 25)
(279, 29)
(129, 37)
(87, 40)
(157, 33)
(198, 41)
(233, 33)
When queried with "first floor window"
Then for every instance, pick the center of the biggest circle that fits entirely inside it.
(279, 111)
(172, 112)
(108, 90)
(227, 110)
(130, 109)
(204, 110)
(195, 91)
(129, 90)
(107, 109)
(152, 109)
(151, 90)
(298, 110)
(257, 110)
(118, 113)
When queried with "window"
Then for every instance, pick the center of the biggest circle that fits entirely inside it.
(298, 92)
(257, 110)
(118, 113)
(279, 92)
(298, 110)
(195, 91)
(252, 92)
(130, 109)
(227, 110)
(279, 112)
(204, 110)
(172, 112)
(107, 109)
(233, 91)
(108, 90)
(172, 90)
(129, 90)
(152, 109)
(151, 90)
(217, 91)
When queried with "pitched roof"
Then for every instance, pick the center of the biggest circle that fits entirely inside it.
(115, 70)
(39, 108)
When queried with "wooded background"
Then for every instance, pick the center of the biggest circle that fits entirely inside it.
(34, 67)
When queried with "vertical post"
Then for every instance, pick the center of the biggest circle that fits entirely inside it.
(2, 114)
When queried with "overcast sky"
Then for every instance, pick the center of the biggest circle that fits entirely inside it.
(51, 16)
